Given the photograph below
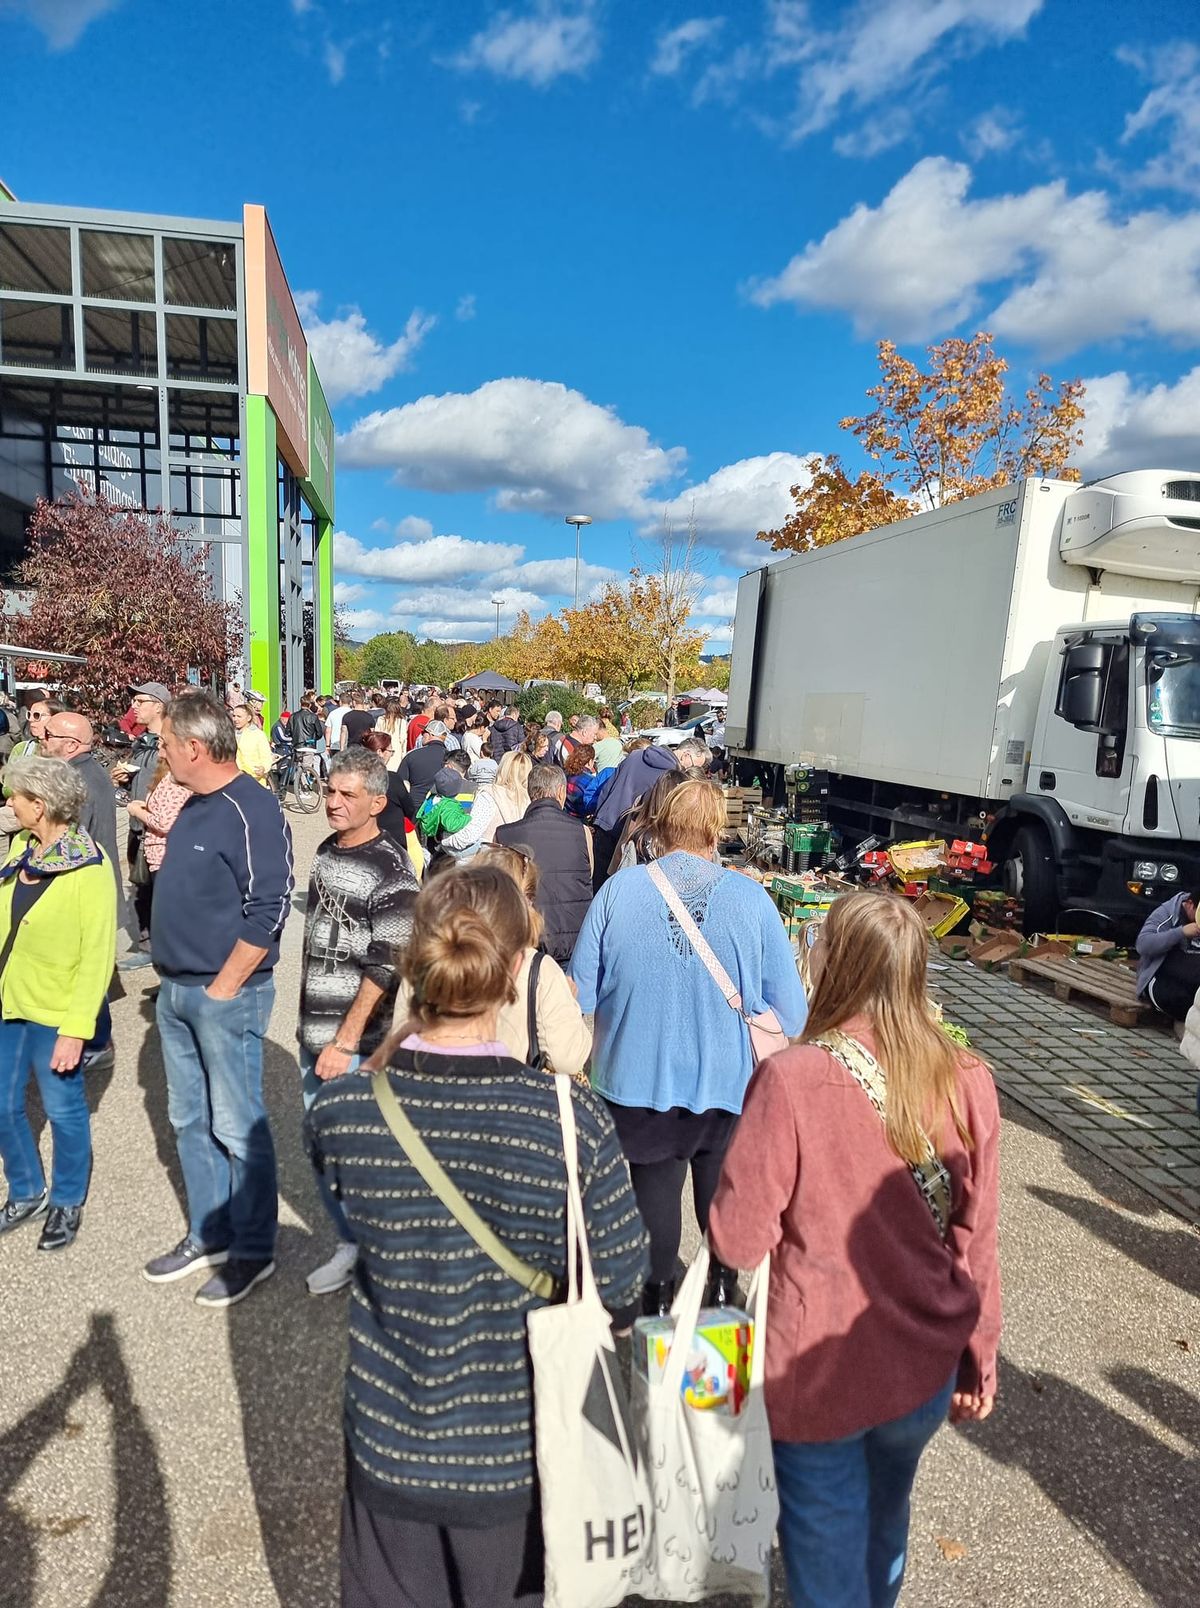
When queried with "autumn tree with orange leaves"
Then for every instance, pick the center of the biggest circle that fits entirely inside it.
(937, 435)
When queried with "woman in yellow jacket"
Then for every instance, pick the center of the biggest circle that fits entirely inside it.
(255, 755)
(58, 927)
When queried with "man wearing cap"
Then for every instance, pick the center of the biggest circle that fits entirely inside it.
(409, 783)
(149, 705)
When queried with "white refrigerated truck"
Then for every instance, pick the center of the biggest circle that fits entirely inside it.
(1025, 663)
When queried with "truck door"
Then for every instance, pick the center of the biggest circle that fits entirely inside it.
(1083, 757)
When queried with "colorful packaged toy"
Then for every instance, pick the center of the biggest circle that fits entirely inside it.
(716, 1377)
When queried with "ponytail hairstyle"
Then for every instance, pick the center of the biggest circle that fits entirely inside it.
(468, 925)
(870, 962)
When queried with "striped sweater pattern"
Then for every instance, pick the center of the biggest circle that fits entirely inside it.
(438, 1405)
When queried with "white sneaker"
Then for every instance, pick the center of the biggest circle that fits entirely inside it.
(335, 1274)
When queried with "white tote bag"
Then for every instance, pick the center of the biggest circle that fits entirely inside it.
(712, 1476)
(595, 1502)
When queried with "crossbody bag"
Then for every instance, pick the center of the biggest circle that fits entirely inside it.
(766, 1034)
(930, 1173)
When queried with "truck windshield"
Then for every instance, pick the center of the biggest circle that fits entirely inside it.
(1173, 678)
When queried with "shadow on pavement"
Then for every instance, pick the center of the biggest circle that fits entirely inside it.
(139, 1571)
(288, 1350)
(152, 1080)
(1126, 1489)
(1172, 1254)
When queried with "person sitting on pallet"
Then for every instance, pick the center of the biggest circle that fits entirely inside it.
(1168, 949)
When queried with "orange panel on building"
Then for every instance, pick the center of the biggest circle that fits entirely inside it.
(276, 351)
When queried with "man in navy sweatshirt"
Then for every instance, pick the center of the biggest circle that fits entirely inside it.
(220, 901)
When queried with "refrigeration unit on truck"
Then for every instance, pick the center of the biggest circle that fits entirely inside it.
(1025, 664)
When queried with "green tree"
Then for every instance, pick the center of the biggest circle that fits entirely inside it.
(390, 655)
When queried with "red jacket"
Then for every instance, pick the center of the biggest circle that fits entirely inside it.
(416, 726)
(870, 1312)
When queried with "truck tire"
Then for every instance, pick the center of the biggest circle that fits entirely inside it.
(1029, 874)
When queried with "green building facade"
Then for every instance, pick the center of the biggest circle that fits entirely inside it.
(160, 362)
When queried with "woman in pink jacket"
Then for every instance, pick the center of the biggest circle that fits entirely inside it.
(866, 1163)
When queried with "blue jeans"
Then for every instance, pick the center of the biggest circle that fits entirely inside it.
(844, 1509)
(310, 1085)
(26, 1047)
(213, 1055)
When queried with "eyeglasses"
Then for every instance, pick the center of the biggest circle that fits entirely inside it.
(61, 736)
(34, 715)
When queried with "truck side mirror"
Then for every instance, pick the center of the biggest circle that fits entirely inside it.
(1081, 689)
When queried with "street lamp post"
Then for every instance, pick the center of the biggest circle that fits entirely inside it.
(496, 604)
(577, 520)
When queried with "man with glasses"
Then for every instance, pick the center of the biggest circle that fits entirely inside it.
(70, 736)
(137, 775)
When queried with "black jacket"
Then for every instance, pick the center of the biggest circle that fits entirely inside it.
(558, 843)
(409, 783)
(506, 735)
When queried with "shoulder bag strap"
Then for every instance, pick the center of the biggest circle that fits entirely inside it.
(6, 949)
(414, 1147)
(696, 938)
(930, 1174)
(534, 1055)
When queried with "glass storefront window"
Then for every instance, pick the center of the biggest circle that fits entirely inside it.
(117, 266)
(202, 348)
(119, 341)
(37, 334)
(199, 273)
(204, 424)
(35, 257)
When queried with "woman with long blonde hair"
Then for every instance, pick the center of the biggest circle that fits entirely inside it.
(866, 1163)
(511, 788)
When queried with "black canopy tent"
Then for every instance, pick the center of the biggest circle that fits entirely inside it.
(489, 681)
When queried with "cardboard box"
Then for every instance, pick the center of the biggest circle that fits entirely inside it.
(997, 950)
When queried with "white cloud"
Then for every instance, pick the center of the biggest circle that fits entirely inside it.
(465, 310)
(414, 529)
(440, 558)
(1081, 274)
(456, 630)
(538, 445)
(544, 44)
(350, 359)
(61, 22)
(463, 603)
(738, 500)
(349, 592)
(1171, 109)
(716, 634)
(676, 45)
(335, 63)
(556, 576)
(991, 133)
(1126, 427)
(882, 44)
(720, 602)
(365, 620)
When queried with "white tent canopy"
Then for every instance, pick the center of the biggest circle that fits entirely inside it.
(708, 695)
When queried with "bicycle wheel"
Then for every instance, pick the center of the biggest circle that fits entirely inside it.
(308, 789)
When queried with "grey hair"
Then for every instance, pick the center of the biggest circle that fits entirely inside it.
(699, 751)
(363, 763)
(587, 723)
(52, 782)
(546, 781)
(198, 717)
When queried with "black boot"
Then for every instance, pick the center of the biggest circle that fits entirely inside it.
(62, 1225)
(657, 1298)
(721, 1289)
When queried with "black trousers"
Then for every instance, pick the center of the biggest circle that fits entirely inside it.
(1173, 987)
(388, 1562)
(661, 1147)
(141, 894)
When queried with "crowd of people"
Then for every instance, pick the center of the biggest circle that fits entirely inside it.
(496, 900)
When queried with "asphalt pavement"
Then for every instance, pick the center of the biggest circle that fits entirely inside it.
(153, 1453)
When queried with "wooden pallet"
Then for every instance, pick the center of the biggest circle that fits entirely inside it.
(1102, 981)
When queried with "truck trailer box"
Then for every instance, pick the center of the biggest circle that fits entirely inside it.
(915, 654)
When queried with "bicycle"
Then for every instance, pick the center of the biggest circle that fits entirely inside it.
(301, 772)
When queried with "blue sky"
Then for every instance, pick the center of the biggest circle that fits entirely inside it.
(630, 260)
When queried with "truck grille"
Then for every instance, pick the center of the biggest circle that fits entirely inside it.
(1182, 490)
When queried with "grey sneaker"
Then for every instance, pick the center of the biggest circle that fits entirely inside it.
(15, 1212)
(187, 1257)
(233, 1282)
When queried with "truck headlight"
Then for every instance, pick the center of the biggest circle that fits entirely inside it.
(1145, 871)
(1169, 873)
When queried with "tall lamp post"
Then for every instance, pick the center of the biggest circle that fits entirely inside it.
(577, 520)
(496, 604)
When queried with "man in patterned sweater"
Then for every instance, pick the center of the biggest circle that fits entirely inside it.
(357, 921)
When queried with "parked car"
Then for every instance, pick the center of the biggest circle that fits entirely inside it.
(668, 736)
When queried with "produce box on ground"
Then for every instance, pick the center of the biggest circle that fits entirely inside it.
(941, 912)
(916, 862)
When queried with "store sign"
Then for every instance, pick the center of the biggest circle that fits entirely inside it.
(276, 351)
(320, 443)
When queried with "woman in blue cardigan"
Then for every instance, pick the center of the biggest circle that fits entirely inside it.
(670, 1056)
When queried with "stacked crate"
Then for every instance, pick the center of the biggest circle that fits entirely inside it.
(739, 801)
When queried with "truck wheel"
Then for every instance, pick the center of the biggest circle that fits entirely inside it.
(1029, 876)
